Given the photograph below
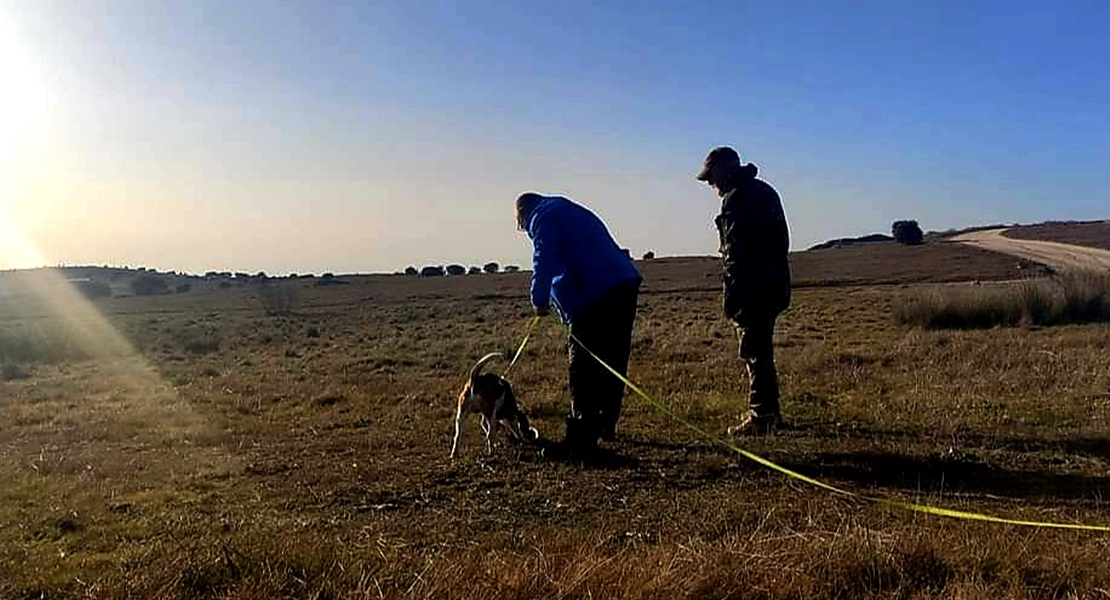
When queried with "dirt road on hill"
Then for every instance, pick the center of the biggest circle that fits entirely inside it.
(1054, 254)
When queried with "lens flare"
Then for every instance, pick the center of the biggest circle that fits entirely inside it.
(142, 403)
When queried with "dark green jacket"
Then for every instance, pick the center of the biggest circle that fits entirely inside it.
(754, 245)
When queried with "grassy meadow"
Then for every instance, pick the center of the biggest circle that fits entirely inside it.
(194, 446)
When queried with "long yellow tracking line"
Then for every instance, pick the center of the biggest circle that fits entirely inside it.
(523, 343)
(919, 508)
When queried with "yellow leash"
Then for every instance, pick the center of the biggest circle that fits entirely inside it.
(918, 508)
(523, 343)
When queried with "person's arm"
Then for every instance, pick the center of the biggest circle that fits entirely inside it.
(543, 267)
(733, 230)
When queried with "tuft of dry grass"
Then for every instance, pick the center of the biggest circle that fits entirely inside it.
(37, 342)
(851, 561)
(199, 339)
(280, 299)
(1068, 299)
(10, 371)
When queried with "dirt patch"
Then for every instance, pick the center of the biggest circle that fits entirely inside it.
(1036, 254)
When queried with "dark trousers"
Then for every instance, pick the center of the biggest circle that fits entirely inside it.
(757, 352)
(605, 327)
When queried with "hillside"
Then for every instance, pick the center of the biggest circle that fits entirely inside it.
(1095, 234)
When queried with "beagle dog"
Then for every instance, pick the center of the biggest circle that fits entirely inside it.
(491, 396)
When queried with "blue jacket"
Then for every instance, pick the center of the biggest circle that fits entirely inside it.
(574, 260)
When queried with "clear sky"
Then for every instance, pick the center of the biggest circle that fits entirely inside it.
(367, 136)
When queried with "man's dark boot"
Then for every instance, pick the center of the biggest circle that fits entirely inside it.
(579, 443)
(757, 425)
(609, 432)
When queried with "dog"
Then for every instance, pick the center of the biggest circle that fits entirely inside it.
(491, 396)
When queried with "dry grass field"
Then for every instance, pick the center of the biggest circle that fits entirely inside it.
(190, 446)
(1095, 234)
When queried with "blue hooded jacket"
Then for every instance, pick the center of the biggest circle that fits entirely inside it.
(574, 260)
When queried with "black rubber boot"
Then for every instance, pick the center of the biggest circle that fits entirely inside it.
(609, 432)
(580, 442)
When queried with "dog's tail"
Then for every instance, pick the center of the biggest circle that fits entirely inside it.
(477, 369)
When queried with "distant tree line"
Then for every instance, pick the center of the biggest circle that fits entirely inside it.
(457, 270)
(490, 268)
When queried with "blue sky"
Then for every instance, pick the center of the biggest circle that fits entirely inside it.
(302, 136)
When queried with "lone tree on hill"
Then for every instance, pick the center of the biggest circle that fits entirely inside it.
(907, 232)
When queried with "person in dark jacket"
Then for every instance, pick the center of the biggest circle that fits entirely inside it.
(578, 267)
(754, 242)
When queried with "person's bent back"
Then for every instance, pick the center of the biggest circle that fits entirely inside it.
(575, 259)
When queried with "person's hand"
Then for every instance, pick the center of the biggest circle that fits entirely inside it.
(542, 311)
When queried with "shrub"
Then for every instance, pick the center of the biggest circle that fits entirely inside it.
(511, 269)
(411, 271)
(474, 271)
(649, 255)
(10, 371)
(431, 272)
(456, 270)
(907, 232)
(94, 289)
(149, 285)
(198, 340)
(491, 267)
(280, 300)
(44, 344)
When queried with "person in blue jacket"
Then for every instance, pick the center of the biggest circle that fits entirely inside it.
(578, 267)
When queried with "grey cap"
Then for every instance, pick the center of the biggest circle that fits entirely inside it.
(718, 156)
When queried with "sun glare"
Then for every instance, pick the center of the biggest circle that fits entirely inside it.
(16, 251)
(154, 401)
(22, 102)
